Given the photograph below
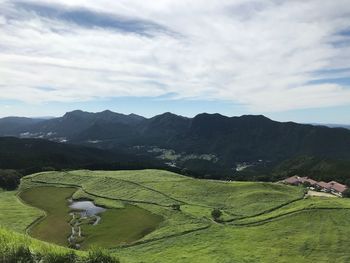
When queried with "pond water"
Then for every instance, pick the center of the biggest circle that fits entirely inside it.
(87, 208)
(82, 210)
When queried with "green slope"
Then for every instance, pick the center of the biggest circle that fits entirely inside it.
(14, 214)
(312, 236)
(264, 222)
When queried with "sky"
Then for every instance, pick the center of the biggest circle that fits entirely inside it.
(288, 60)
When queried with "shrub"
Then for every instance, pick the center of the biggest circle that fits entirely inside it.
(100, 256)
(20, 254)
(216, 214)
(346, 193)
(176, 207)
(24, 255)
(9, 179)
(59, 258)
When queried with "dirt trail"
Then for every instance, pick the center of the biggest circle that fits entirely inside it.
(322, 194)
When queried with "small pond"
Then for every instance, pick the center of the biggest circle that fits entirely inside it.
(83, 212)
(87, 208)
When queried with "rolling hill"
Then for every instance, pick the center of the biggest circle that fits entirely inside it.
(260, 222)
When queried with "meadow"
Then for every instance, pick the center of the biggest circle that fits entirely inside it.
(311, 236)
(119, 227)
(14, 214)
(54, 226)
(260, 222)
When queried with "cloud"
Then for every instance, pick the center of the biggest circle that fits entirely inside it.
(266, 55)
(88, 18)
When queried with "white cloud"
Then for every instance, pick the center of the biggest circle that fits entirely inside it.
(259, 53)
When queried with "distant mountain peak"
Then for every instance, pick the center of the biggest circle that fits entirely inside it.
(107, 112)
(210, 115)
(135, 116)
(168, 115)
(255, 117)
(76, 113)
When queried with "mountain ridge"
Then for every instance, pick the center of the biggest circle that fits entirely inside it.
(207, 142)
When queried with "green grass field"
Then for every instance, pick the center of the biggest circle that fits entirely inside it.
(14, 214)
(312, 236)
(166, 188)
(262, 222)
(119, 226)
(54, 227)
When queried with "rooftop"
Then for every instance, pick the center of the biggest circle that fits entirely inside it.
(333, 185)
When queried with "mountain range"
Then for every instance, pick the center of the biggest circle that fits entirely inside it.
(336, 125)
(212, 145)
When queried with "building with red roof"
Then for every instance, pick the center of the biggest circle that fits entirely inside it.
(337, 187)
(323, 186)
(333, 186)
(294, 180)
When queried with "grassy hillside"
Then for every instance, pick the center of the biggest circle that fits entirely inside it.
(14, 214)
(165, 189)
(261, 222)
(312, 236)
(15, 247)
(120, 227)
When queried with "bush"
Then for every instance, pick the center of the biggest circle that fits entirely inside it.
(59, 258)
(18, 254)
(23, 255)
(9, 179)
(176, 207)
(100, 256)
(346, 193)
(216, 214)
